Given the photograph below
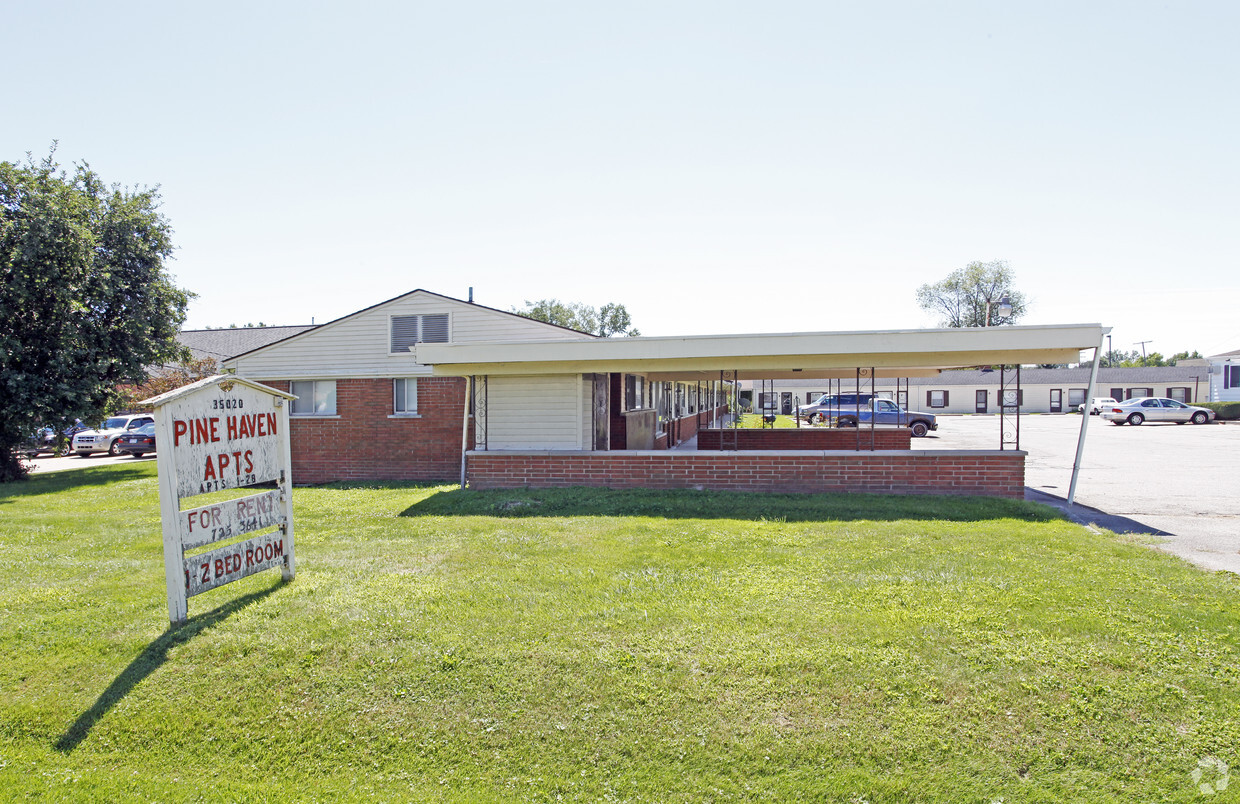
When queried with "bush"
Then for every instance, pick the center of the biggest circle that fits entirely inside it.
(1223, 410)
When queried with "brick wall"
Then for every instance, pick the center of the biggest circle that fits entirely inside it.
(365, 442)
(990, 473)
(813, 438)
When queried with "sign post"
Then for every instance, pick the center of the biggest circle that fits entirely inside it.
(224, 432)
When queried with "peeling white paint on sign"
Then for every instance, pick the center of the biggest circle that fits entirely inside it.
(224, 432)
(225, 520)
(214, 568)
(224, 439)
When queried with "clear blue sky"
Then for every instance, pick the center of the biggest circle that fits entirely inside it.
(714, 166)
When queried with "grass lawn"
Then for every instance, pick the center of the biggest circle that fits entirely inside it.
(753, 421)
(615, 646)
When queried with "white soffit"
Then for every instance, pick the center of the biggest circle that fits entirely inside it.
(806, 354)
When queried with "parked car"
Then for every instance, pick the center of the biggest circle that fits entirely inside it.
(830, 405)
(44, 440)
(105, 437)
(138, 442)
(1097, 405)
(884, 411)
(1156, 409)
(41, 441)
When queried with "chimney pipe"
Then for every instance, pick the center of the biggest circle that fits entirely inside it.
(471, 295)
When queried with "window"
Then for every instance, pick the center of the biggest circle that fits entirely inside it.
(1012, 398)
(1231, 376)
(1134, 393)
(314, 398)
(1076, 396)
(634, 392)
(1178, 394)
(936, 399)
(405, 396)
(410, 329)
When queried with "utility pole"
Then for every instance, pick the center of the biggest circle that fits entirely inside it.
(1110, 353)
(1142, 344)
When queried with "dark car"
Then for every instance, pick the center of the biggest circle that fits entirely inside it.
(831, 405)
(138, 442)
(42, 441)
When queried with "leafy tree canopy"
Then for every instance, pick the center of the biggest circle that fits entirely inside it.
(84, 296)
(164, 379)
(961, 299)
(1122, 359)
(610, 319)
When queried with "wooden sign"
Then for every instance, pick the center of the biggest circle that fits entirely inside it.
(224, 432)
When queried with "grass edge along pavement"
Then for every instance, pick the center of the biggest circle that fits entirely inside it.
(633, 646)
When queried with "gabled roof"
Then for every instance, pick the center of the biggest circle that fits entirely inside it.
(399, 298)
(222, 344)
(1224, 355)
(186, 390)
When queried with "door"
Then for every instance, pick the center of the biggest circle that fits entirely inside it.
(602, 411)
(785, 403)
(1056, 400)
(888, 412)
(1153, 411)
(980, 402)
(1174, 411)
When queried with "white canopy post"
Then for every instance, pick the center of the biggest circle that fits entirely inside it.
(469, 389)
(1089, 397)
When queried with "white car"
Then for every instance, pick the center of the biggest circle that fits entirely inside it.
(104, 439)
(1156, 409)
(1097, 405)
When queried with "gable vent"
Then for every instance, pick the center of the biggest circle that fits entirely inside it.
(408, 330)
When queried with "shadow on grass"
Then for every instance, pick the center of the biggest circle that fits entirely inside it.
(725, 505)
(52, 482)
(148, 662)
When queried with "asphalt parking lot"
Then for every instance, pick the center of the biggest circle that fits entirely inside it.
(1179, 483)
(48, 464)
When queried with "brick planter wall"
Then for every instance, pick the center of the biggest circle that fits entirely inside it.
(365, 442)
(811, 438)
(990, 473)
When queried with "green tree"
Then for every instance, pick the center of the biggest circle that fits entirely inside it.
(611, 319)
(165, 379)
(963, 298)
(85, 299)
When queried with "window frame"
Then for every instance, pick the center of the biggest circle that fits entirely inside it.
(313, 399)
(1184, 393)
(397, 413)
(930, 399)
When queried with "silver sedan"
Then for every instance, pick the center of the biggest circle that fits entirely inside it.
(1155, 409)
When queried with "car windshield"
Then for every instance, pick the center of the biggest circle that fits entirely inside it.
(115, 423)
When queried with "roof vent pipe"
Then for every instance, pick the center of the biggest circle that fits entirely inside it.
(471, 295)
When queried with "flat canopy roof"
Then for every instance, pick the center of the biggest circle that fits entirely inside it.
(892, 353)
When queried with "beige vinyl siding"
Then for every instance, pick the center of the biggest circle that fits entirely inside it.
(587, 410)
(541, 412)
(359, 346)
